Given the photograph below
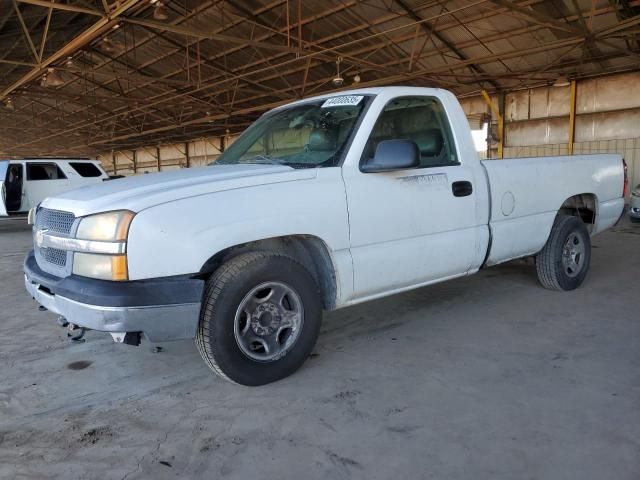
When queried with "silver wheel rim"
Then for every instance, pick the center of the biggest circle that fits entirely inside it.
(573, 255)
(268, 321)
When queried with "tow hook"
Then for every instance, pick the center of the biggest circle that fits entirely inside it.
(76, 333)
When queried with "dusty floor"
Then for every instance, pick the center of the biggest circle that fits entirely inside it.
(488, 377)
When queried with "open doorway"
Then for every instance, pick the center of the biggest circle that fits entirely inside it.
(13, 184)
(480, 140)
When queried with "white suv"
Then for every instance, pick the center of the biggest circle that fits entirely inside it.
(24, 183)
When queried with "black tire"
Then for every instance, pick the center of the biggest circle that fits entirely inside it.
(224, 293)
(552, 272)
(634, 219)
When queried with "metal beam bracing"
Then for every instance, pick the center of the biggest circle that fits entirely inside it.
(427, 27)
(124, 78)
(25, 31)
(64, 6)
(75, 44)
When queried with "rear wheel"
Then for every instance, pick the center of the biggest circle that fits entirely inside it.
(564, 261)
(260, 318)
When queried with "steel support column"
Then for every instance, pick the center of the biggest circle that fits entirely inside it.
(497, 113)
(572, 117)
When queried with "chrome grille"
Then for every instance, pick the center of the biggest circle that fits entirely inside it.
(54, 220)
(53, 260)
(55, 256)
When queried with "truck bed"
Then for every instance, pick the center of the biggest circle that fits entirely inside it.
(526, 194)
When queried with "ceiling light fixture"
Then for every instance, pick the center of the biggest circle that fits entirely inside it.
(51, 79)
(8, 104)
(160, 12)
(356, 79)
(338, 81)
(112, 46)
(562, 81)
(107, 45)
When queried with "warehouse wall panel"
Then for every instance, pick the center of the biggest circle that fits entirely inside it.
(536, 123)
(174, 156)
(604, 94)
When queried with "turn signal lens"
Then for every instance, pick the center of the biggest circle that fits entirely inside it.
(119, 268)
(102, 267)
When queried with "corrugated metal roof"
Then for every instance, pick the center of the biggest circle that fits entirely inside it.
(151, 72)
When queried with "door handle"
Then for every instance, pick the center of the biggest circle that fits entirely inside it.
(462, 188)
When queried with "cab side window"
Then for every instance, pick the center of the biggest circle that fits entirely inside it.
(86, 169)
(421, 120)
(44, 171)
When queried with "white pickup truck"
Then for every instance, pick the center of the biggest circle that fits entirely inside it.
(321, 203)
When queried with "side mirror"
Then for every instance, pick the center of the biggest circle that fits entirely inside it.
(393, 155)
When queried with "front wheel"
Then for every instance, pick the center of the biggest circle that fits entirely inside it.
(260, 318)
(564, 261)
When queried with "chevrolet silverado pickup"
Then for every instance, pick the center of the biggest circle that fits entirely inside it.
(320, 204)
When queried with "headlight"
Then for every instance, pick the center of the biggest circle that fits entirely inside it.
(105, 232)
(106, 227)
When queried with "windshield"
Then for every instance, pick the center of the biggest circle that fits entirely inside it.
(309, 135)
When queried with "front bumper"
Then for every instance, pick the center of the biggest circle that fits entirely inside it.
(162, 309)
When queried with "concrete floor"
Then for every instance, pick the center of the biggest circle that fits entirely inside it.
(488, 377)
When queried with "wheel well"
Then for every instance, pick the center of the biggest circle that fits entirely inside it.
(583, 206)
(310, 251)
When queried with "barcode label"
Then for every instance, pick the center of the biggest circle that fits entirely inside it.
(345, 100)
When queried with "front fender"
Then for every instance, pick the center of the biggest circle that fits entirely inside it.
(177, 238)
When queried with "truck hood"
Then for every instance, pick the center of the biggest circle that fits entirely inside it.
(143, 191)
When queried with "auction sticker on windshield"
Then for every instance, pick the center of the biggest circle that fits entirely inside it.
(342, 101)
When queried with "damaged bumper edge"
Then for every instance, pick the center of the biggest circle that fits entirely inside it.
(119, 312)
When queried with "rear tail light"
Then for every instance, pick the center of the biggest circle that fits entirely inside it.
(625, 187)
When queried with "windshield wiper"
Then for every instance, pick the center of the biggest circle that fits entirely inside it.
(267, 160)
(264, 160)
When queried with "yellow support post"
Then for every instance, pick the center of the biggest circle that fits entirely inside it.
(500, 121)
(572, 117)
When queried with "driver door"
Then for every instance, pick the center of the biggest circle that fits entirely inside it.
(411, 226)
